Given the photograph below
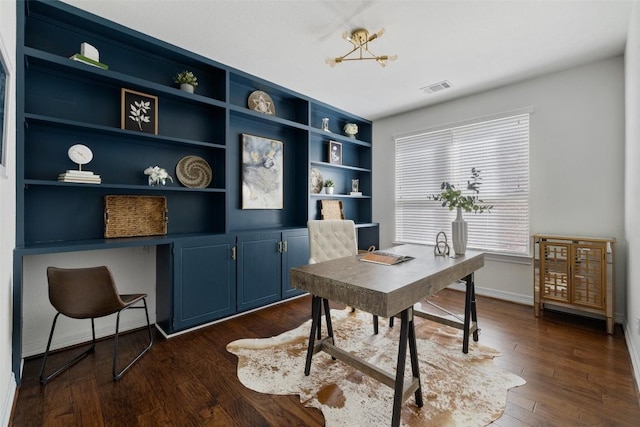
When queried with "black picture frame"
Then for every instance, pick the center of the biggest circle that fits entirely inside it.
(139, 111)
(335, 153)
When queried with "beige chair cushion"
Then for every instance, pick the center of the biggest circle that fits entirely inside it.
(331, 239)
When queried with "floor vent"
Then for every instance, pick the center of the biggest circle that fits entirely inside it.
(437, 87)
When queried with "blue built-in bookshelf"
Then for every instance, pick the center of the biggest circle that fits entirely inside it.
(61, 102)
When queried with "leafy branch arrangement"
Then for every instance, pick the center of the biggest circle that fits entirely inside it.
(328, 183)
(454, 198)
(186, 77)
(138, 111)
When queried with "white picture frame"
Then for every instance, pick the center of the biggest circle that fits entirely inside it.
(262, 173)
(6, 76)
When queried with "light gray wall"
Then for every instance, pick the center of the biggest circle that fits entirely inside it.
(7, 220)
(632, 188)
(133, 270)
(576, 162)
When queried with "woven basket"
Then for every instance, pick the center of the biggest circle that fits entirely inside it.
(128, 216)
(331, 209)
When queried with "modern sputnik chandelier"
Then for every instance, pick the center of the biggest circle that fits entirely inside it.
(360, 39)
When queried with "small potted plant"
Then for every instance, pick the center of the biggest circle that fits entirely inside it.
(187, 81)
(328, 186)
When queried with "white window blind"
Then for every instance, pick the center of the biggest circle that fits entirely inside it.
(499, 148)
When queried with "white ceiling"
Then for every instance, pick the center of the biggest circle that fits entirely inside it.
(474, 44)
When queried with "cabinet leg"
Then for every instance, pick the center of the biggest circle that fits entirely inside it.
(610, 325)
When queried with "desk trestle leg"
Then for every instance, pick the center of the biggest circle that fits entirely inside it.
(407, 336)
(470, 313)
(316, 328)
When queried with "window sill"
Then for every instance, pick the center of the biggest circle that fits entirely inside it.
(492, 256)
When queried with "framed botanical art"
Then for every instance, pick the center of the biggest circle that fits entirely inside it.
(139, 111)
(335, 153)
(262, 173)
(5, 108)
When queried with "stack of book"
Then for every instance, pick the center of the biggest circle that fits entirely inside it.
(86, 177)
(89, 55)
(86, 60)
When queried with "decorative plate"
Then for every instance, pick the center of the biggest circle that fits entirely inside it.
(261, 102)
(193, 172)
(316, 180)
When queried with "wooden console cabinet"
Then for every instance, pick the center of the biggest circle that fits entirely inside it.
(576, 273)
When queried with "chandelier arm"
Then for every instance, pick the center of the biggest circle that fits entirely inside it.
(360, 40)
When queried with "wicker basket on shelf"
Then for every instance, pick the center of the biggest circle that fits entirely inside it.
(331, 209)
(129, 216)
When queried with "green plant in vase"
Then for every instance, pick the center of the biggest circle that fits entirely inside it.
(454, 198)
(187, 81)
(328, 186)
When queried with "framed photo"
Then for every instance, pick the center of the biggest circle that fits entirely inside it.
(335, 153)
(139, 111)
(5, 107)
(262, 173)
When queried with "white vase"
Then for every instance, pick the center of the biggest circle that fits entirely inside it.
(328, 190)
(459, 233)
(186, 87)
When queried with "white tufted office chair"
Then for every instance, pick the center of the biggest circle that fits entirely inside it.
(331, 239)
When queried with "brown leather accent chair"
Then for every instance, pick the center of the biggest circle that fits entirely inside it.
(89, 293)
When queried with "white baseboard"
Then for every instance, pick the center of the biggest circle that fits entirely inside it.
(634, 353)
(204, 325)
(506, 296)
(38, 346)
(9, 397)
(528, 300)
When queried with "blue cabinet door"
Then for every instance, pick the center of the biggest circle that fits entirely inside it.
(296, 253)
(204, 281)
(259, 269)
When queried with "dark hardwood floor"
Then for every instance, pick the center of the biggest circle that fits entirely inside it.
(576, 375)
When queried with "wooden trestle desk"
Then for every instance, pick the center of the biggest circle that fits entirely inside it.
(387, 291)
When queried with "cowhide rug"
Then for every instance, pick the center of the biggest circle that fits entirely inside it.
(458, 389)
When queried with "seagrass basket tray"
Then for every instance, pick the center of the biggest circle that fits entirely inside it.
(129, 216)
(331, 209)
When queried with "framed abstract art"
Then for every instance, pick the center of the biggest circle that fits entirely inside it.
(262, 173)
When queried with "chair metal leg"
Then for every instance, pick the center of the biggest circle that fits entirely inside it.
(43, 379)
(118, 375)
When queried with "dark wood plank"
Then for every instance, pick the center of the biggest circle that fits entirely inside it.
(576, 374)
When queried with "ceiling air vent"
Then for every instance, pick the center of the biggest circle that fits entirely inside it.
(437, 87)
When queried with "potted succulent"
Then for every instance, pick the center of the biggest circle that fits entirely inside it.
(328, 186)
(453, 198)
(187, 81)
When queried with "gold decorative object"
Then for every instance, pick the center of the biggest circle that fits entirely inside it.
(360, 39)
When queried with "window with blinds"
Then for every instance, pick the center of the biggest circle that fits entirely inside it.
(499, 148)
